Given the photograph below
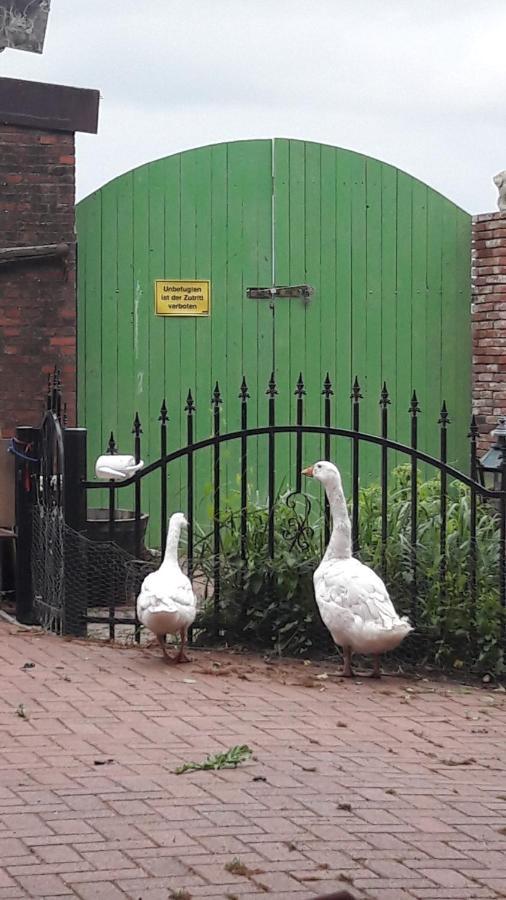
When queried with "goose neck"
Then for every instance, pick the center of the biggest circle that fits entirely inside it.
(340, 540)
(172, 544)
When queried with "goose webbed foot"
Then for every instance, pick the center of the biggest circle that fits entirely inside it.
(181, 656)
(347, 668)
(376, 672)
(166, 658)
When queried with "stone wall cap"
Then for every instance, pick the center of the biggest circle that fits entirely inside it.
(49, 107)
(490, 217)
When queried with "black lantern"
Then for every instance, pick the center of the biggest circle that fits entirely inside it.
(492, 465)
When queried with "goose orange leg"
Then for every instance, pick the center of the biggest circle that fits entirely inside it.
(161, 640)
(376, 672)
(347, 669)
(181, 656)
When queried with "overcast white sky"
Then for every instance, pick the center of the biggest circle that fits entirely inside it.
(417, 83)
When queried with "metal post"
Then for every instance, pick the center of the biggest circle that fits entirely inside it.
(356, 397)
(24, 513)
(76, 512)
(502, 551)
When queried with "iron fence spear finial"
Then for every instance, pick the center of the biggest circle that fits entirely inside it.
(163, 417)
(327, 387)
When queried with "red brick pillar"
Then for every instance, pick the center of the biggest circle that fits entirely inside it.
(37, 243)
(489, 321)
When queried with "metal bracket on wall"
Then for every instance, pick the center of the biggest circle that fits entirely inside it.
(303, 291)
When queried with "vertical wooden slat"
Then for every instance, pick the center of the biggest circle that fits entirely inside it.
(187, 327)
(432, 353)
(204, 375)
(174, 376)
(370, 459)
(420, 378)
(343, 305)
(284, 308)
(109, 321)
(461, 410)
(312, 370)
(388, 286)
(403, 386)
(252, 265)
(451, 378)
(157, 388)
(93, 337)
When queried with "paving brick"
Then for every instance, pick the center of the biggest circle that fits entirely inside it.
(44, 885)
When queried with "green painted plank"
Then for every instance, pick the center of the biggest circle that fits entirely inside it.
(125, 328)
(257, 250)
(296, 361)
(174, 376)
(187, 327)
(109, 323)
(463, 326)
(204, 376)
(93, 361)
(284, 308)
(432, 352)
(344, 373)
(388, 288)
(372, 386)
(156, 325)
(328, 301)
(249, 264)
(449, 341)
(420, 378)
(313, 310)
(328, 270)
(404, 386)
(143, 310)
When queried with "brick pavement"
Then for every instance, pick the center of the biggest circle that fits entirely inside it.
(395, 790)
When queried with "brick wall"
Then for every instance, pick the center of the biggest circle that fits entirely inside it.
(37, 297)
(489, 321)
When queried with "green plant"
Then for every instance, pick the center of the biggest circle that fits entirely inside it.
(266, 603)
(269, 603)
(228, 760)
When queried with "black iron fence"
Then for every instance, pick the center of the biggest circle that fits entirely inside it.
(57, 491)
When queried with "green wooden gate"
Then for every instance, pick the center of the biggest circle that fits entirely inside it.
(388, 257)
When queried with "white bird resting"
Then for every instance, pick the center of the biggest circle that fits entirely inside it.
(353, 601)
(117, 467)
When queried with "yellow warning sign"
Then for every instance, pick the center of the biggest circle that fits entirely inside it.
(182, 298)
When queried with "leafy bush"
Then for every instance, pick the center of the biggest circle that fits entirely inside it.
(269, 604)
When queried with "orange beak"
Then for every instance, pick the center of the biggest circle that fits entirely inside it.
(308, 471)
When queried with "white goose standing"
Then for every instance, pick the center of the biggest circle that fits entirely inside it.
(166, 603)
(353, 601)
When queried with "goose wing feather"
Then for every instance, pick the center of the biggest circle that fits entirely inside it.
(349, 586)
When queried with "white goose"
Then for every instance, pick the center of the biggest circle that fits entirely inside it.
(166, 603)
(353, 601)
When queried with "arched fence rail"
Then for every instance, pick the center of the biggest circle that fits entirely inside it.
(62, 477)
